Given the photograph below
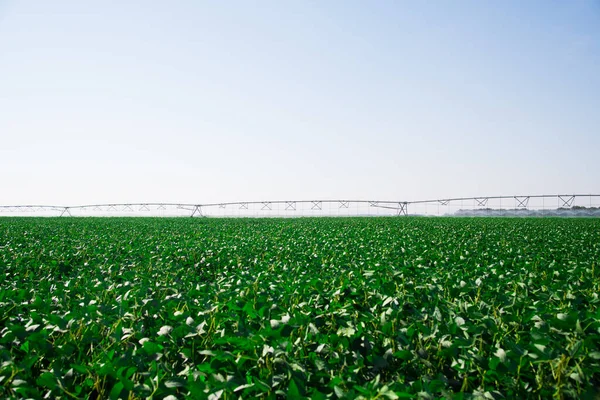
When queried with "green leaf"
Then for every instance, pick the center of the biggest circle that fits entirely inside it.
(404, 355)
(47, 380)
(115, 393)
(79, 368)
(25, 347)
(339, 392)
(293, 392)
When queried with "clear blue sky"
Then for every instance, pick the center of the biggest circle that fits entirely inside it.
(198, 101)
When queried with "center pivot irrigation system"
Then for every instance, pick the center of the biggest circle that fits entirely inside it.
(541, 205)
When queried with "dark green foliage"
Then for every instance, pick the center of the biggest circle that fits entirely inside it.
(299, 308)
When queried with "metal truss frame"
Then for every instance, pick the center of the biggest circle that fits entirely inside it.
(567, 201)
(197, 209)
(403, 209)
(481, 202)
(521, 201)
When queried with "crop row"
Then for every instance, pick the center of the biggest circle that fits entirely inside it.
(299, 308)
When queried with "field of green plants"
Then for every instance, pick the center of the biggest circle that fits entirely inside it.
(318, 308)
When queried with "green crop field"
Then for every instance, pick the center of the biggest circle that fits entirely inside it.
(299, 308)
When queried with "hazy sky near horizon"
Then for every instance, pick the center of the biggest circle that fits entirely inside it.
(197, 101)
